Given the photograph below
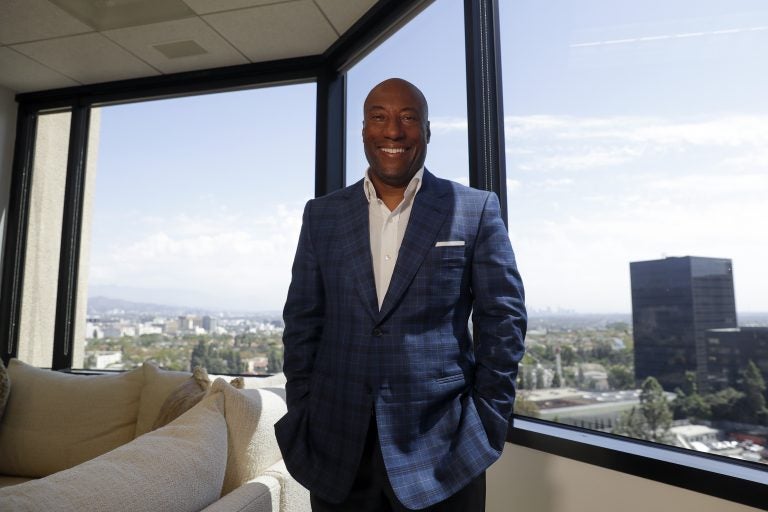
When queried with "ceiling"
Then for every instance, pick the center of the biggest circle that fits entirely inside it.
(48, 44)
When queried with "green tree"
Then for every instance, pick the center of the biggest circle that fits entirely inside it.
(556, 383)
(525, 407)
(274, 359)
(752, 405)
(567, 355)
(620, 377)
(521, 384)
(632, 424)
(724, 404)
(655, 410)
(688, 403)
(580, 377)
(539, 378)
(651, 419)
(199, 355)
(689, 385)
(529, 380)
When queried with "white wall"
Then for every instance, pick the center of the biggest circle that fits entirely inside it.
(526, 480)
(7, 138)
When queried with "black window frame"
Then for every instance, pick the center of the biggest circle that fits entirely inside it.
(736, 481)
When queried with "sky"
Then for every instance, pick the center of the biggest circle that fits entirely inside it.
(634, 131)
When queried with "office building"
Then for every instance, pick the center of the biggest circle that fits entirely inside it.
(729, 351)
(675, 301)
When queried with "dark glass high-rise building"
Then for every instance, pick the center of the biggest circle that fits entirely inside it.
(729, 351)
(674, 302)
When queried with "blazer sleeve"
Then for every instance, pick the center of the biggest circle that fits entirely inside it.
(303, 316)
(500, 320)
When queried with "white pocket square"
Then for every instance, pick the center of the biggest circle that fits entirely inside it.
(450, 243)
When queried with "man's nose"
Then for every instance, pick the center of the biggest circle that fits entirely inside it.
(393, 129)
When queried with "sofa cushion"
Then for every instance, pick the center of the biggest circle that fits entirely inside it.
(158, 384)
(54, 420)
(5, 388)
(179, 467)
(252, 447)
(261, 494)
(183, 398)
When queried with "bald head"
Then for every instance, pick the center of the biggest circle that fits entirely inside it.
(399, 86)
(395, 133)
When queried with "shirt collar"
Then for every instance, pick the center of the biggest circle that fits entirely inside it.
(413, 186)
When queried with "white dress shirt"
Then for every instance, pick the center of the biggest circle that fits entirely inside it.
(387, 229)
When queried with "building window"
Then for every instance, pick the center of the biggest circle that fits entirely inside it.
(636, 158)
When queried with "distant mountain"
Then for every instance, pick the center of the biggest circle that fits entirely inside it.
(103, 305)
(100, 305)
(178, 300)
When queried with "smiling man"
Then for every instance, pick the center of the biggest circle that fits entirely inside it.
(391, 403)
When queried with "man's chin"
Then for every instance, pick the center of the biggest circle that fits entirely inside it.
(394, 177)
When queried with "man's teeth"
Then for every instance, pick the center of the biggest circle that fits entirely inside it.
(392, 151)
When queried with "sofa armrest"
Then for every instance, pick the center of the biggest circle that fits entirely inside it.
(262, 494)
(293, 496)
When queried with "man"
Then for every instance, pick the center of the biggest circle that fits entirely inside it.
(391, 406)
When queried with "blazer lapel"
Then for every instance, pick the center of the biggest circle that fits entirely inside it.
(427, 216)
(355, 232)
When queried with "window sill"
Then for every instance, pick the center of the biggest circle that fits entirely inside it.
(734, 480)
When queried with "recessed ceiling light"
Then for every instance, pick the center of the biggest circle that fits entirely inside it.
(109, 14)
(179, 49)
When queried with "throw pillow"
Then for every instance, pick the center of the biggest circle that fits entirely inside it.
(158, 384)
(183, 398)
(179, 467)
(5, 388)
(54, 420)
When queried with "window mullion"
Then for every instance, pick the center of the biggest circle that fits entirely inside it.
(71, 229)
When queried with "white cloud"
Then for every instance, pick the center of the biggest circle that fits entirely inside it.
(662, 37)
(239, 261)
(568, 143)
(448, 124)
(599, 192)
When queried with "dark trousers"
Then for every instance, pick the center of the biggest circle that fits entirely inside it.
(372, 492)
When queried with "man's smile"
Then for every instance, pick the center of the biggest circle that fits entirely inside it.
(394, 151)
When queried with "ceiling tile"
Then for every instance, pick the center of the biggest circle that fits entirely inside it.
(88, 58)
(112, 14)
(209, 6)
(275, 31)
(22, 74)
(31, 20)
(343, 13)
(141, 42)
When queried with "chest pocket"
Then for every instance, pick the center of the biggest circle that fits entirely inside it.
(449, 256)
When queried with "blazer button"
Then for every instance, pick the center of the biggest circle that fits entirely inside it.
(377, 332)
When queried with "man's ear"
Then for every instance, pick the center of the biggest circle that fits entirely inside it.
(429, 132)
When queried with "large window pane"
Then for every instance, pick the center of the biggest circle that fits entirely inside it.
(195, 214)
(636, 134)
(428, 52)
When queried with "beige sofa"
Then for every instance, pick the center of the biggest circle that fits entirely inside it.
(70, 442)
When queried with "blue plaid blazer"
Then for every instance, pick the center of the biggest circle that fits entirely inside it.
(442, 403)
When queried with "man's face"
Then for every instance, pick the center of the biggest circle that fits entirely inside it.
(395, 132)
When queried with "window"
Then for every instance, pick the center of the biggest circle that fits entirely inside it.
(195, 212)
(636, 156)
